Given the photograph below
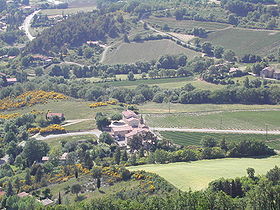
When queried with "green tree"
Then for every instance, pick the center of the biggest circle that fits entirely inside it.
(130, 76)
(124, 156)
(105, 137)
(76, 189)
(117, 156)
(98, 183)
(34, 151)
(208, 141)
(251, 173)
(9, 191)
(229, 55)
(28, 177)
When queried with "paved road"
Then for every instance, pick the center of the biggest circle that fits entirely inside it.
(27, 24)
(92, 132)
(277, 132)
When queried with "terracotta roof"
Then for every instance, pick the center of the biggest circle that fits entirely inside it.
(11, 79)
(2, 193)
(135, 131)
(50, 114)
(122, 128)
(128, 114)
(131, 119)
(46, 202)
(23, 194)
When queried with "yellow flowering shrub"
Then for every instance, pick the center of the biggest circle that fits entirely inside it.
(55, 128)
(30, 98)
(106, 103)
(9, 116)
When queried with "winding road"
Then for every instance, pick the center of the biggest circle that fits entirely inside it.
(27, 24)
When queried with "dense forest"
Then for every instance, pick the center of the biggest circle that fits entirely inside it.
(75, 31)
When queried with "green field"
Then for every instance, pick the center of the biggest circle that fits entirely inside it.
(146, 51)
(245, 41)
(186, 139)
(251, 120)
(55, 143)
(72, 109)
(155, 108)
(186, 24)
(68, 11)
(197, 174)
(170, 83)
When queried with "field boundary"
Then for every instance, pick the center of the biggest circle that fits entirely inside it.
(205, 130)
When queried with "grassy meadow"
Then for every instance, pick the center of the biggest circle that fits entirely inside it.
(187, 139)
(169, 83)
(145, 51)
(55, 143)
(72, 109)
(242, 120)
(197, 174)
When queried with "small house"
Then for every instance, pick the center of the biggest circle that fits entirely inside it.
(23, 194)
(133, 122)
(129, 114)
(11, 81)
(47, 202)
(121, 131)
(267, 72)
(50, 115)
(45, 159)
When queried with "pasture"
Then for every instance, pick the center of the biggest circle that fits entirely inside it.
(126, 53)
(187, 139)
(68, 11)
(72, 109)
(241, 120)
(197, 174)
(245, 41)
(169, 83)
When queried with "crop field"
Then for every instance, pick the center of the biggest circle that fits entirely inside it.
(155, 108)
(245, 41)
(146, 51)
(241, 120)
(68, 11)
(186, 24)
(197, 174)
(186, 139)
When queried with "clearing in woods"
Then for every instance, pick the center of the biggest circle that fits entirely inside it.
(197, 174)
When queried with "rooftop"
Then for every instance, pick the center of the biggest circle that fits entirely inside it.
(50, 114)
(129, 113)
(122, 128)
(23, 194)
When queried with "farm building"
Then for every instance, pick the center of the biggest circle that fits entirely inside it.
(270, 72)
(51, 115)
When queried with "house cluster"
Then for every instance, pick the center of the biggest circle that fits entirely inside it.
(45, 60)
(125, 129)
(8, 80)
(62, 158)
(270, 72)
(45, 202)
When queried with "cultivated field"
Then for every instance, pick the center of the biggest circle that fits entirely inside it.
(197, 174)
(146, 51)
(155, 108)
(242, 120)
(68, 11)
(186, 139)
(244, 41)
(186, 24)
